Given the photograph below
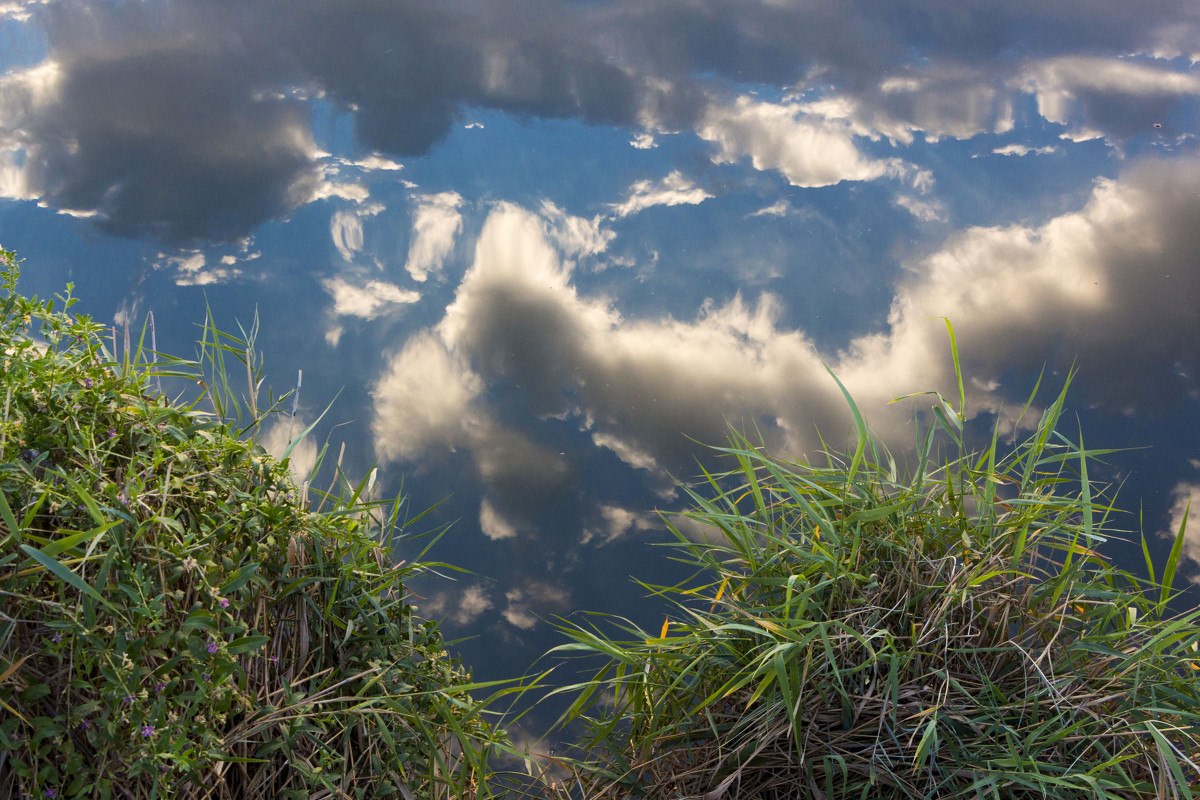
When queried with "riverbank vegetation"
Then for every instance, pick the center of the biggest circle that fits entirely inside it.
(179, 619)
(862, 628)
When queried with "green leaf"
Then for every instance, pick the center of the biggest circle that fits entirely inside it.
(34, 692)
(962, 396)
(6, 516)
(247, 644)
(860, 427)
(1173, 559)
(200, 618)
(240, 578)
(67, 542)
(1167, 754)
(67, 576)
(928, 744)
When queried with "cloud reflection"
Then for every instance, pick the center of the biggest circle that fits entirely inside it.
(191, 120)
(436, 223)
(1107, 284)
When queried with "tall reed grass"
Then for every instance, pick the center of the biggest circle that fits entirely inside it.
(858, 628)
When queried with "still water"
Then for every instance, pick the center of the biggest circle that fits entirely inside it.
(534, 252)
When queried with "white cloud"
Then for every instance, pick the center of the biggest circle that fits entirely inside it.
(374, 162)
(429, 398)
(1111, 284)
(780, 208)
(493, 524)
(673, 190)
(643, 141)
(1016, 149)
(191, 269)
(531, 600)
(945, 101)
(627, 452)
(865, 121)
(18, 10)
(1052, 77)
(616, 522)
(924, 210)
(576, 236)
(424, 399)
(1177, 39)
(367, 301)
(23, 94)
(346, 228)
(460, 607)
(1099, 96)
(1185, 501)
(326, 189)
(474, 601)
(806, 149)
(516, 317)
(436, 223)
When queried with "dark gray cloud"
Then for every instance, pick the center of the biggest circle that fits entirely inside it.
(170, 144)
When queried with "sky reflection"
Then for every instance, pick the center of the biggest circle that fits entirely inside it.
(542, 248)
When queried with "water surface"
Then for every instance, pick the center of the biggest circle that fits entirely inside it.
(542, 249)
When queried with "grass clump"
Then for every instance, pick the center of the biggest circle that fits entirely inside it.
(853, 632)
(175, 620)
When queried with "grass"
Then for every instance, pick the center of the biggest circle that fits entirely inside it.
(855, 630)
(177, 621)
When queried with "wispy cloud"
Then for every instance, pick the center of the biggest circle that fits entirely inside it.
(673, 190)
(533, 600)
(191, 268)
(346, 228)
(367, 300)
(436, 224)
(1016, 149)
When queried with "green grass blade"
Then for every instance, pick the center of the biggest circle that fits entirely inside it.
(67, 576)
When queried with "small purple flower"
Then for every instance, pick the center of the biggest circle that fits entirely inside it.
(112, 434)
(87, 383)
(129, 698)
(147, 731)
(56, 638)
(224, 602)
(213, 646)
(51, 792)
(85, 724)
(160, 686)
(206, 677)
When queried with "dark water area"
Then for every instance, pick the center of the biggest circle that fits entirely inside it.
(538, 256)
